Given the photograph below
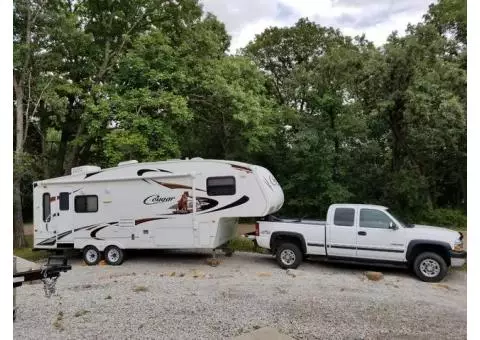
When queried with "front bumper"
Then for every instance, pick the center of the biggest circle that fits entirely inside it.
(458, 258)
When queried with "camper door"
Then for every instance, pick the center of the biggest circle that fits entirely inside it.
(55, 216)
(45, 228)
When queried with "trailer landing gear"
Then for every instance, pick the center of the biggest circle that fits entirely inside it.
(213, 261)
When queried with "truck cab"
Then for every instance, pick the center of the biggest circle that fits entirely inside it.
(364, 233)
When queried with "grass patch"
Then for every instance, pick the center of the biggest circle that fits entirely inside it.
(139, 289)
(244, 244)
(28, 253)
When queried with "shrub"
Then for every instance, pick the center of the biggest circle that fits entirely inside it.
(449, 218)
(244, 244)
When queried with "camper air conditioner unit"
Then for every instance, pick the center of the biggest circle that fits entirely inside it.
(85, 169)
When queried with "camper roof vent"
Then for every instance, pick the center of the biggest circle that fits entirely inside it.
(197, 159)
(133, 161)
(85, 169)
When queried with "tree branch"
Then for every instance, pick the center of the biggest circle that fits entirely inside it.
(120, 48)
(27, 124)
(35, 108)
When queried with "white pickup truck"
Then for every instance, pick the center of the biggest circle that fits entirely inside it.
(363, 233)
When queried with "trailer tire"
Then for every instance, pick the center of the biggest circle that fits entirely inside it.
(289, 255)
(114, 255)
(91, 255)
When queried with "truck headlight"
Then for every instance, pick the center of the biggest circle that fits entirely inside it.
(458, 245)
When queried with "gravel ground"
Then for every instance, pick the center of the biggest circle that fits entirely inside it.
(177, 296)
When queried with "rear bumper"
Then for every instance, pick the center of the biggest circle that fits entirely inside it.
(458, 258)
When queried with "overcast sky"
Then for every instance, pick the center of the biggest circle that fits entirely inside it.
(376, 18)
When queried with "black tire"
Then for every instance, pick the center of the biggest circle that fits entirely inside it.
(89, 255)
(431, 263)
(289, 251)
(114, 255)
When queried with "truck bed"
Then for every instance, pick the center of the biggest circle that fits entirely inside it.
(312, 232)
(293, 220)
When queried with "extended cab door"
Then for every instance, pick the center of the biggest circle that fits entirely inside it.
(379, 237)
(341, 232)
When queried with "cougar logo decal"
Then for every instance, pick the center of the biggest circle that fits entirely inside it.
(155, 199)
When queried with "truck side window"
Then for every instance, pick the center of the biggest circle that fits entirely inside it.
(344, 217)
(86, 204)
(46, 207)
(64, 203)
(221, 186)
(372, 218)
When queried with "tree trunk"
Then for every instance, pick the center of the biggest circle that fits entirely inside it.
(71, 160)
(18, 235)
(336, 144)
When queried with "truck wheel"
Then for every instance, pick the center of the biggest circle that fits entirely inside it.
(91, 255)
(289, 256)
(430, 267)
(114, 255)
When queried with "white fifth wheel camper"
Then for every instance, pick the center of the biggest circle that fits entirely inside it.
(175, 204)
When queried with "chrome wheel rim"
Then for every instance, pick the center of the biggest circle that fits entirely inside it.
(113, 255)
(430, 268)
(288, 257)
(91, 255)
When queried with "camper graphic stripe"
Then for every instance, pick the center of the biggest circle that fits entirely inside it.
(240, 201)
(143, 220)
(176, 186)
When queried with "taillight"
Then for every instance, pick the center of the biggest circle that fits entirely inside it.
(257, 229)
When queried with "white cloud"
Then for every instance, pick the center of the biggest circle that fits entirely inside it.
(376, 18)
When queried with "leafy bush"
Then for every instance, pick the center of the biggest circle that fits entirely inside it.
(450, 218)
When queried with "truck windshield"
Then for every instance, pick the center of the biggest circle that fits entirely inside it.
(405, 225)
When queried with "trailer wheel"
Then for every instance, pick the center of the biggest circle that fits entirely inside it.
(91, 255)
(114, 255)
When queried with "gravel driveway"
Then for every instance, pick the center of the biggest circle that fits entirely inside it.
(177, 296)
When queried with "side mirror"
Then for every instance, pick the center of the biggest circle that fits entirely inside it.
(392, 226)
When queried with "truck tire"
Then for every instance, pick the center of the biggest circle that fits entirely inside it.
(289, 255)
(114, 255)
(430, 267)
(91, 255)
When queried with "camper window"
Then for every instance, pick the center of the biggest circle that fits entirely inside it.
(86, 204)
(46, 207)
(64, 204)
(220, 186)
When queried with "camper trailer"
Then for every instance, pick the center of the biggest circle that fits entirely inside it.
(174, 204)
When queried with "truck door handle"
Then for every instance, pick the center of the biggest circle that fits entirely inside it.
(362, 233)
